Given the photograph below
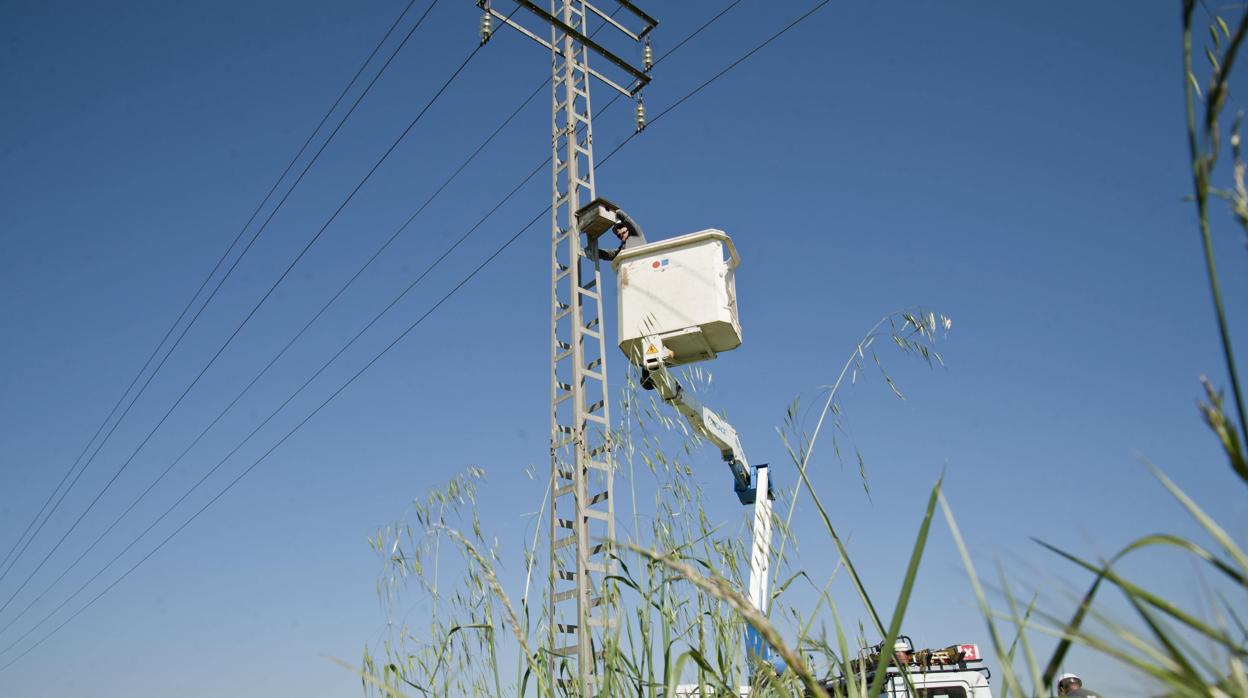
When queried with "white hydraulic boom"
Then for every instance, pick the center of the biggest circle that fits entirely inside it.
(746, 483)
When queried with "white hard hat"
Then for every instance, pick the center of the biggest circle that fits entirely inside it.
(1066, 677)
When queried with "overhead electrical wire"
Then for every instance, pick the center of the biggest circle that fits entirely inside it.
(728, 68)
(235, 263)
(359, 372)
(287, 401)
(345, 347)
(351, 342)
(254, 309)
(298, 335)
(225, 255)
(255, 379)
(251, 383)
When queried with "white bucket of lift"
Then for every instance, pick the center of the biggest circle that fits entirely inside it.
(680, 291)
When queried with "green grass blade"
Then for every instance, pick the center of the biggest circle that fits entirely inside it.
(1135, 592)
(1020, 634)
(903, 598)
(1210, 526)
(1011, 680)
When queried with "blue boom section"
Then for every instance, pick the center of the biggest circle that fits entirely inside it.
(757, 647)
(743, 483)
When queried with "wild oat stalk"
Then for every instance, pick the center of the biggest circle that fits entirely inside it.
(913, 333)
(720, 588)
(485, 567)
(1204, 146)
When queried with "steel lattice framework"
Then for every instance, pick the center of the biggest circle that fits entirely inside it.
(582, 509)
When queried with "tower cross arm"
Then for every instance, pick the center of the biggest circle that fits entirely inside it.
(639, 77)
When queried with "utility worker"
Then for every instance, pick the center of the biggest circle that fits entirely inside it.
(1071, 685)
(629, 234)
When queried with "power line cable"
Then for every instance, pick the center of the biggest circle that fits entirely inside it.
(290, 433)
(336, 355)
(256, 379)
(697, 31)
(730, 66)
(358, 373)
(321, 311)
(299, 334)
(255, 308)
(287, 401)
(719, 75)
(225, 255)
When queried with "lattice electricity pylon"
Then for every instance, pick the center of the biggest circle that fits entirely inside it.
(582, 510)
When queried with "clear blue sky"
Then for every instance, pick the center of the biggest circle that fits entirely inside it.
(1019, 167)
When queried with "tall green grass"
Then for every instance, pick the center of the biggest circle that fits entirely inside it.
(455, 630)
(678, 594)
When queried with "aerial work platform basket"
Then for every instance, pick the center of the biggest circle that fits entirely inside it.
(681, 295)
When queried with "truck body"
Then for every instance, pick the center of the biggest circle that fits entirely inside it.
(928, 683)
(956, 671)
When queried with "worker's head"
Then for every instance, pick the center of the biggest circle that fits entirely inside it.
(622, 231)
(1067, 683)
(903, 650)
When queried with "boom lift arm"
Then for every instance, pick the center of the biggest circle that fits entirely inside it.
(707, 424)
(746, 483)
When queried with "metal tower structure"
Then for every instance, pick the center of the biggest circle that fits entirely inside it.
(582, 509)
